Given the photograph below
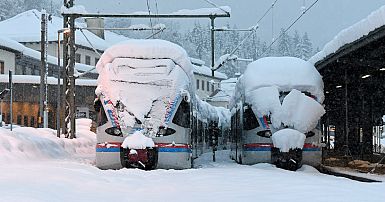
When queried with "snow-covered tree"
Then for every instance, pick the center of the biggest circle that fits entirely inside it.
(296, 46)
(284, 44)
(306, 47)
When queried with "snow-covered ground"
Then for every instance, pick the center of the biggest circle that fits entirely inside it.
(37, 166)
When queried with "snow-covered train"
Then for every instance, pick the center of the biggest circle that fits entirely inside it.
(275, 113)
(149, 114)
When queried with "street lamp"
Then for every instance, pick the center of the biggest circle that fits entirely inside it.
(2, 95)
(58, 106)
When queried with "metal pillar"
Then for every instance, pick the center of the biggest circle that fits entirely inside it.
(68, 74)
(212, 45)
(42, 69)
(11, 98)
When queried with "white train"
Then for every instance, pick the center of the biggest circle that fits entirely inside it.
(148, 86)
(268, 99)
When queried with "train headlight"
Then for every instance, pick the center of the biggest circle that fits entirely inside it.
(115, 131)
(264, 133)
(165, 131)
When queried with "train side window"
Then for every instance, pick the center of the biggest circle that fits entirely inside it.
(182, 115)
(250, 121)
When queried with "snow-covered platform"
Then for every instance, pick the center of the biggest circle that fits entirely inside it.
(73, 177)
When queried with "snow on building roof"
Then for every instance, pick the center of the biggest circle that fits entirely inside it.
(286, 73)
(14, 45)
(360, 29)
(204, 70)
(200, 68)
(33, 79)
(226, 90)
(25, 27)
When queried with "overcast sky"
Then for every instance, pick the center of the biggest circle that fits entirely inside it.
(322, 22)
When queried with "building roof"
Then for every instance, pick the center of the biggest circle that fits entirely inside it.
(200, 68)
(20, 48)
(225, 92)
(360, 30)
(26, 27)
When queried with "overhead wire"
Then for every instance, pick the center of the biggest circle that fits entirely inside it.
(149, 13)
(295, 21)
(88, 71)
(253, 30)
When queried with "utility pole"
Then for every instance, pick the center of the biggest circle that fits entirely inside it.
(42, 68)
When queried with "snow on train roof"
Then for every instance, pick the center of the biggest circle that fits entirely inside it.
(149, 77)
(286, 73)
(147, 49)
(360, 29)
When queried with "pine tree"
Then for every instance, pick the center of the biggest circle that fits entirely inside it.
(296, 47)
(307, 47)
(284, 44)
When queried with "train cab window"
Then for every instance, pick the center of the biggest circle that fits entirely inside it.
(182, 115)
(101, 117)
(249, 119)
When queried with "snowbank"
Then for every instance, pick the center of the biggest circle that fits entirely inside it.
(26, 143)
(362, 28)
(137, 141)
(287, 139)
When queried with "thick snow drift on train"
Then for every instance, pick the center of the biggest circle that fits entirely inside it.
(265, 78)
(153, 82)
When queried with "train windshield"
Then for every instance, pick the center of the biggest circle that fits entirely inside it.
(182, 115)
(250, 120)
(144, 91)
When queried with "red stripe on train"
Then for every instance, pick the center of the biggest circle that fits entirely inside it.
(161, 145)
(267, 145)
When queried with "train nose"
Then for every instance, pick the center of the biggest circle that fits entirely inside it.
(290, 160)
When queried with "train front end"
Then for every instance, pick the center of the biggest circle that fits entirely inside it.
(282, 99)
(142, 86)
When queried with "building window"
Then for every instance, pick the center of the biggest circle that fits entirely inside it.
(36, 70)
(18, 120)
(28, 71)
(32, 121)
(19, 70)
(203, 85)
(1, 67)
(197, 83)
(25, 120)
(212, 88)
(88, 60)
(96, 61)
(77, 57)
(208, 86)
